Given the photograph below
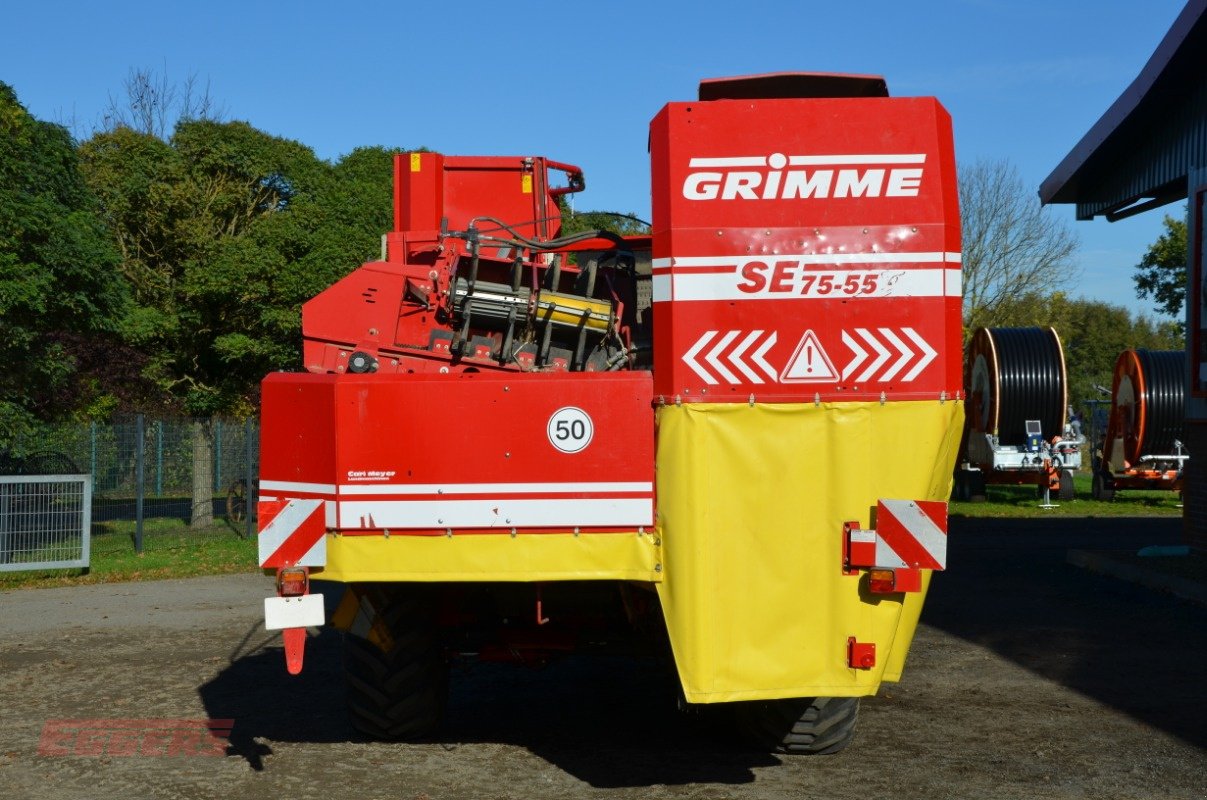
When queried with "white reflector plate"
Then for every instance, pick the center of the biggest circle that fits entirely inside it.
(293, 612)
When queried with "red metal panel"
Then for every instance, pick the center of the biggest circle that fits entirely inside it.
(480, 451)
(805, 247)
(294, 413)
(430, 187)
(418, 191)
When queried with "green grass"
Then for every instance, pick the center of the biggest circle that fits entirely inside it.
(1021, 501)
(170, 550)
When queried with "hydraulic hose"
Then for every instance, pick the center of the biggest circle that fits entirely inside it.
(1022, 377)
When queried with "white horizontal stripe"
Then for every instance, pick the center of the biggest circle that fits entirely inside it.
(464, 489)
(429, 514)
(735, 161)
(877, 158)
(659, 263)
(953, 283)
(889, 283)
(289, 486)
(816, 258)
(954, 258)
(661, 288)
(496, 489)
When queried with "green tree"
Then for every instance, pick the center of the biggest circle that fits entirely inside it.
(1092, 333)
(1161, 273)
(623, 224)
(58, 278)
(224, 231)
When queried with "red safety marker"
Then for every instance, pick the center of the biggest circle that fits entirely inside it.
(912, 531)
(292, 533)
(910, 536)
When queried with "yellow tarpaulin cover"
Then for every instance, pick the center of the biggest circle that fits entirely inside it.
(751, 504)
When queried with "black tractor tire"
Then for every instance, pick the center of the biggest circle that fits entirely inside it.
(799, 726)
(1100, 491)
(399, 695)
(1067, 492)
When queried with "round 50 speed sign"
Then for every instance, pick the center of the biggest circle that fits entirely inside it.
(570, 429)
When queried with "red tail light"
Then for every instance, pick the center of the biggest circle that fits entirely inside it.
(888, 581)
(881, 581)
(292, 582)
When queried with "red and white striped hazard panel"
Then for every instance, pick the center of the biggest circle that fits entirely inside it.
(909, 534)
(292, 533)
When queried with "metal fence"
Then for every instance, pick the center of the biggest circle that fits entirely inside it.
(45, 521)
(140, 468)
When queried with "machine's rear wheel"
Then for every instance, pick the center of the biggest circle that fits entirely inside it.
(799, 726)
(398, 694)
(1067, 492)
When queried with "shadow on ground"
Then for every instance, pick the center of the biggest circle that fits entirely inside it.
(608, 721)
(611, 722)
(1009, 588)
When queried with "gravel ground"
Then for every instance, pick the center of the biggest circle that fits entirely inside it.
(1029, 679)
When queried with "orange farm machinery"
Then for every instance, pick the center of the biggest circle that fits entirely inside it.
(1142, 445)
(513, 442)
(1017, 430)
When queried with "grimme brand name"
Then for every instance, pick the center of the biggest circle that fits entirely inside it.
(821, 176)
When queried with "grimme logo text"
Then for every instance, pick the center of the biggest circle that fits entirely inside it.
(816, 176)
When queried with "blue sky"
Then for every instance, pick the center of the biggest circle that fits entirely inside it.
(579, 82)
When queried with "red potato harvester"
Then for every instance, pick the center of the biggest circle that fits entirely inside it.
(513, 442)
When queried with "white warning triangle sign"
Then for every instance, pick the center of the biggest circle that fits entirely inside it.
(809, 364)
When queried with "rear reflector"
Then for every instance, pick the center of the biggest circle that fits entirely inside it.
(880, 581)
(889, 581)
(292, 582)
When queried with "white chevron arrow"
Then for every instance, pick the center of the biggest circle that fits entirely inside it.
(881, 355)
(736, 357)
(714, 357)
(928, 354)
(758, 358)
(906, 354)
(689, 358)
(861, 355)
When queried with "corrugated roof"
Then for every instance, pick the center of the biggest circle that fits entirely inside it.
(1137, 156)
